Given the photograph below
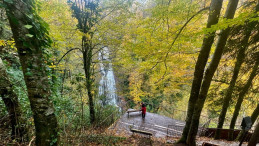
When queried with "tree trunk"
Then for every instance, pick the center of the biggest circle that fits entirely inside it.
(240, 100)
(209, 74)
(30, 43)
(240, 59)
(215, 8)
(87, 14)
(254, 138)
(18, 124)
(254, 116)
(87, 56)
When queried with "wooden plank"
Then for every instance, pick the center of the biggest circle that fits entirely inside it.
(141, 131)
(208, 144)
(129, 111)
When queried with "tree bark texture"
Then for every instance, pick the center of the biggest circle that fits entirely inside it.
(213, 18)
(18, 123)
(30, 52)
(209, 74)
(254, 138)
(241, 98)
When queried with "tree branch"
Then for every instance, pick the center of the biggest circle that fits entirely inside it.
(98, 50)
(66, 54)
(178, 34)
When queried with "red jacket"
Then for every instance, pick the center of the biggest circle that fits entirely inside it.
(144, 109)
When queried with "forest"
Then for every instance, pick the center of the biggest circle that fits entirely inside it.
(76, 72)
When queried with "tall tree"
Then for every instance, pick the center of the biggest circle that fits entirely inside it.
(241, 98)
(87, 13)
(10, 98)
(213, 18)
(254, 139)
(254, 116)
(240, 59)
(232, 5)
(31, 40)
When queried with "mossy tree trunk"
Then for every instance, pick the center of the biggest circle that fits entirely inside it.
(31, 40)
(232, 5)
(213, 18)
(10, 98)
(241, 98)
(87, 57)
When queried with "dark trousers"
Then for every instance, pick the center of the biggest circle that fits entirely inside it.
(143, 115)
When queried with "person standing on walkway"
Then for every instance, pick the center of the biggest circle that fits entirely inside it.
(143, 109)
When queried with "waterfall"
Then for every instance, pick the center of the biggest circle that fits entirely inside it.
(107, 85)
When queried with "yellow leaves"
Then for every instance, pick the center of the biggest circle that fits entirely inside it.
(88, 37)
(63, 31)
(52, 66)
(2, 43)
(136, 82)
(62, 25)
(9, 43)
(57, 67)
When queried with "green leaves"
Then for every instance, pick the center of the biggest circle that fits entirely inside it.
(28, 73)
(29, 35)
(8, 1)
(13, 19)
(1, 5)
(28, 26)
(29, 16)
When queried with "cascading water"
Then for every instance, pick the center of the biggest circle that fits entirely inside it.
(107, 85)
